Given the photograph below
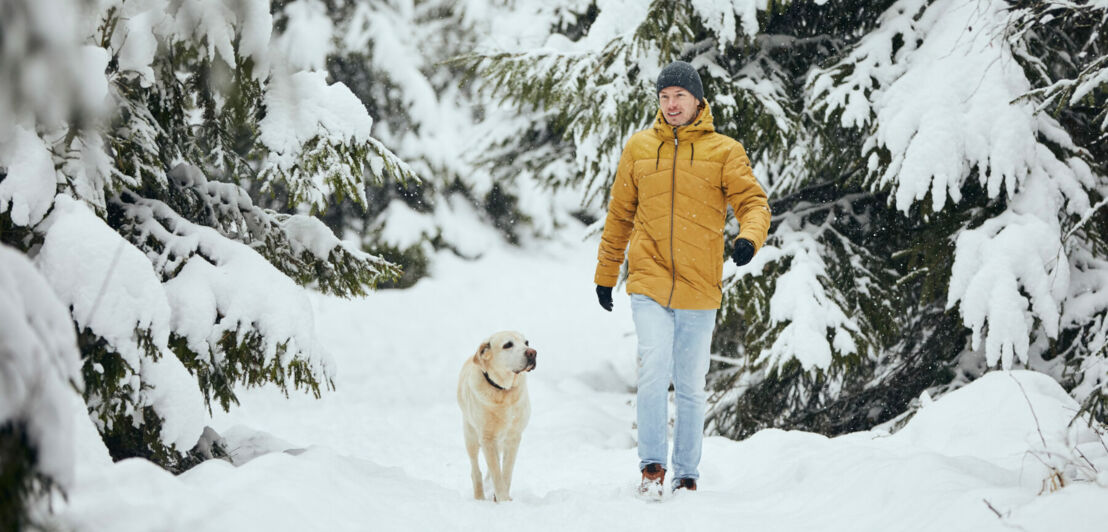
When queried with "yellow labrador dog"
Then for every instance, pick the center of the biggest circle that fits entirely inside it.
(492, 392)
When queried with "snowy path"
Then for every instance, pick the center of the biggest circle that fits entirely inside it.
(384, 451)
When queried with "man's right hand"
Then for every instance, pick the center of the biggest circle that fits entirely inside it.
(604, 295)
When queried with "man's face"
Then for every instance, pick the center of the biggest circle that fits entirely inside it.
(678, 105)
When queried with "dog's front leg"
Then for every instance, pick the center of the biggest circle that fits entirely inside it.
(511, 448)
(473, 445)
(491, 448)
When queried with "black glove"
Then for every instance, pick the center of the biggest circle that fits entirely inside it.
(604, 295)
(743, 252)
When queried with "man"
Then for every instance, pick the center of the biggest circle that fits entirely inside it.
(669, 201)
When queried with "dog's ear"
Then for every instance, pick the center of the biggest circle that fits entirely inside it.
(485, 350)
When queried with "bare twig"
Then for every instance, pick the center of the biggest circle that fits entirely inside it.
(1002, 517)
(993, 508)
(1038, 427)
(1054, 481)
(1086, 459)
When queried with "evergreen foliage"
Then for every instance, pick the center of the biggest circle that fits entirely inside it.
(40, 377)
(202, 161)
(864, 295)
(21, 481)
(411, 90)
(1064, 50)
(192, 179)
(564, 89)
(194, 146)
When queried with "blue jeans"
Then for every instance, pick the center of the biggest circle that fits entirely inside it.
(674, 346)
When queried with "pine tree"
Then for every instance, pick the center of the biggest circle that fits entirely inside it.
(889, 197)
(41, 379)
(1063, 48)
(134, 171)
(392, 57)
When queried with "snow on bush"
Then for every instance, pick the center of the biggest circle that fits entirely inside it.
(220, 25)
(98, 101)
(225, 287)
(304, 105)
(964, 120)
(39, 364)
(1086, 304)
(306, 41)
(996, 264)
(968, 122)
(801, 302)
(28, 189)
(115, 291)
(406, 227)
(720, 18)
(116, 294)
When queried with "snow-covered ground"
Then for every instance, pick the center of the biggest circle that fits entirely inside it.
(384, 451)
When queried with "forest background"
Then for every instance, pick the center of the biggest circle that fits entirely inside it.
(936, 170)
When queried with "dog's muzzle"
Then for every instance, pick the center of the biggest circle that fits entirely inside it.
(531, 357)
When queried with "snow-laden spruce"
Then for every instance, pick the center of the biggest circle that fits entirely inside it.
(397, 58)
(39, 364)
(943, 107)
(40, 385)
(117, 296)
(135, 136)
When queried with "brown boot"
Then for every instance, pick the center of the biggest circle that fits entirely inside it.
(653, 476)
(685, 484)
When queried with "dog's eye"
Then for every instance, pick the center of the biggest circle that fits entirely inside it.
(508, 345)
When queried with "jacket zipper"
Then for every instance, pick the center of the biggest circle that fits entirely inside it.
(672, 209)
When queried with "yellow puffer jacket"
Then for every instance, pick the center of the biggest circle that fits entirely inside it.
(669, 200)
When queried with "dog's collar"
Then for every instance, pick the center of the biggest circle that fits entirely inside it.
(494, 385)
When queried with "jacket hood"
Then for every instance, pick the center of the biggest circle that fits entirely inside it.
(700, 125)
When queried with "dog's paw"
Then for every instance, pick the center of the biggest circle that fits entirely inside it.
(499, 499)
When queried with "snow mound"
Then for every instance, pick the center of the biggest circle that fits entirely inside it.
(1019, 420)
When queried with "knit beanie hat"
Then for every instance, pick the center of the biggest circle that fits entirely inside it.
(681, 74)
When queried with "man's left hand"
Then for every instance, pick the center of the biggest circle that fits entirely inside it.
(743, 252)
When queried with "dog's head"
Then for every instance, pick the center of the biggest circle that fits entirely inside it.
(507, 351)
